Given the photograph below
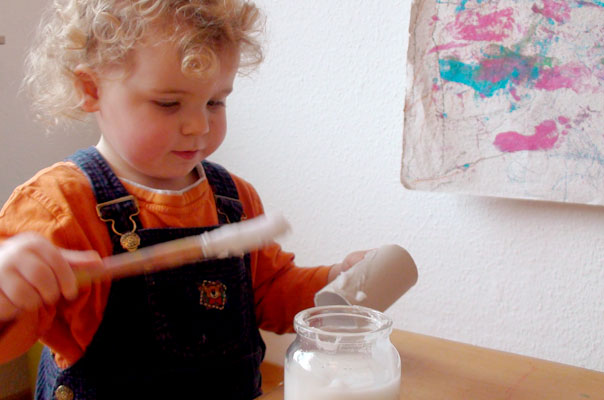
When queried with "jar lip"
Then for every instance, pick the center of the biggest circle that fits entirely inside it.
(381, 322)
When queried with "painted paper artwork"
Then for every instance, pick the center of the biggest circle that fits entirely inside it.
(506, 98)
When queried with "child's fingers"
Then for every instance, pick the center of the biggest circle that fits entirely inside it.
(64, 276)
(7, 309)
(39, 271)
(42, 265)
(86, 259)
(41, 277)
(82, 260)
(20, 292)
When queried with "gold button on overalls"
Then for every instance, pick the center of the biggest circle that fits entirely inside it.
(64, 393)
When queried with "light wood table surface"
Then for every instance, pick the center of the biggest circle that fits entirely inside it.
(434, 368)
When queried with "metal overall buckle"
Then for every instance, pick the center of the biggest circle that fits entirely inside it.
(129, 240)
(225, 215)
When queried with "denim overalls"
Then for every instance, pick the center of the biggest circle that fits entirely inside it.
(188, 332)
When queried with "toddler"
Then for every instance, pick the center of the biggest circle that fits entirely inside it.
(155, 74)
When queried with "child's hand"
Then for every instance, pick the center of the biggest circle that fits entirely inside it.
(33, 271)
(348, 262)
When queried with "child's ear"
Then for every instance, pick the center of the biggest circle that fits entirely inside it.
(86, 85)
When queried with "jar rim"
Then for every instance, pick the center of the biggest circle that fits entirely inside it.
(380, 322)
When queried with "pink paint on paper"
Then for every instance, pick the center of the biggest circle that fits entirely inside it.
(493, 27)
(568, 76)
(498, 69)
(558, 11)
(545, 137)
(566, 122)
(495, 70)
(563, 120)
(515, 95)
(447, 46)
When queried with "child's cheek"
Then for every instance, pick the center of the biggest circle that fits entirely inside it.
(143, 145)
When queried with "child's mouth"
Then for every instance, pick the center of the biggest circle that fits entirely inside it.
(187, 155)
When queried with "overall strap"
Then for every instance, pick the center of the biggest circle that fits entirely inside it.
(120, 209)
(115, 205)
(226, 197)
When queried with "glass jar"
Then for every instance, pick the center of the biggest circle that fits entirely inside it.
(342, 352)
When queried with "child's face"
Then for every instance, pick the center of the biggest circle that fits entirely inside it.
(156, 123)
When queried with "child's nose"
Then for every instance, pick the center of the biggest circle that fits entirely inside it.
(197, 123)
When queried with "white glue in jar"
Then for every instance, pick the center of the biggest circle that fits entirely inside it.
(342, 353)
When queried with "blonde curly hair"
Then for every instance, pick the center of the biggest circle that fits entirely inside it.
(99, 33)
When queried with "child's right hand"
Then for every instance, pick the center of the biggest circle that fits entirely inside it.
(33, 271)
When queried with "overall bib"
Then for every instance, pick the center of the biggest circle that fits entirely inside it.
(188, 332)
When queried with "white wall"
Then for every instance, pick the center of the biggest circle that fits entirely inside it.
(24, 146)
(318, 131)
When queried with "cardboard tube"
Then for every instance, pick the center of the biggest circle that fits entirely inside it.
(377, 281)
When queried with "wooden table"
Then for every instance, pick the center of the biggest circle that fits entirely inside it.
(434, 368)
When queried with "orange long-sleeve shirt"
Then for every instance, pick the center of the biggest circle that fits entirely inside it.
(58, 203)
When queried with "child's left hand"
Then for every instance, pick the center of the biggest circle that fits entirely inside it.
(350, 260)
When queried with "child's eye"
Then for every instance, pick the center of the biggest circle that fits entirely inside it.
(166, 104)
(216, 103)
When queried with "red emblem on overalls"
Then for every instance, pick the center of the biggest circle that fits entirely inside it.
(212, 294)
